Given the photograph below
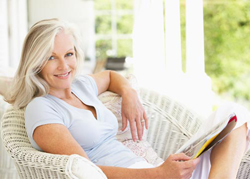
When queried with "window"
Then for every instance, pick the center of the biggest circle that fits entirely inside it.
(113, 28)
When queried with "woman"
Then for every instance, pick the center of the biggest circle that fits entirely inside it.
(64, 116)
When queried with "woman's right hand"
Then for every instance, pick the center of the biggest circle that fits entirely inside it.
(178, 166)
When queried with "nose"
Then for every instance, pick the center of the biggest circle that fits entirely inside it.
(62, 64)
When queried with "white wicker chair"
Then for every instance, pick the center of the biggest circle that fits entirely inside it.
(171, 124)
(7, 167)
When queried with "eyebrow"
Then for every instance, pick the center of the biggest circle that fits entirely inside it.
(66, 51)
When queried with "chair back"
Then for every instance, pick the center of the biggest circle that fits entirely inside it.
(7, 166)
(29, 163)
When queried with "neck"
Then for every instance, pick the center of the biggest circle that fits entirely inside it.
(63, 94)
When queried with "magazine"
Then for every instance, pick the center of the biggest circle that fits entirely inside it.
(198, 145)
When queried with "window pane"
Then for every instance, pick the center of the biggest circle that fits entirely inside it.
(103, 24)
(124, 24)
(124, 47)
(102, 4)
(124, 4)
(102, 47)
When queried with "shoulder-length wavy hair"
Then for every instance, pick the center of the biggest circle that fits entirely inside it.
(37, 48)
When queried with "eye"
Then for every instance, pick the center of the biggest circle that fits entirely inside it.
(69, 54)
(51, 57)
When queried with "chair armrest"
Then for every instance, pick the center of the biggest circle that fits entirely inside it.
(171, 124)
(32, 163)
(79, 165)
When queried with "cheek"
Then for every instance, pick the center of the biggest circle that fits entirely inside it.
(45, 77)
(73, 64)
(46, 72)
(75, 61)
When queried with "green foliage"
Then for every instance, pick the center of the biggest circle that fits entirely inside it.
(102, 4)
(103, 24)
(183, 34)
(124, 4)
(227, 38)
(227, 49)
(102, 46)
(123, 23)
(124, 47)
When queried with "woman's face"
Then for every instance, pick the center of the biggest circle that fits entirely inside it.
(59, 71)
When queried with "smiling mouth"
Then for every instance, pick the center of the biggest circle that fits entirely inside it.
(65, 75)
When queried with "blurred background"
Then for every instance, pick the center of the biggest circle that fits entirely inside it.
(110, 36)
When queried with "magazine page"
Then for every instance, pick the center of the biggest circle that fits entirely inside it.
(218, 138)
(198, 143)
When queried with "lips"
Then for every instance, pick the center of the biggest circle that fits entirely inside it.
(63, 76)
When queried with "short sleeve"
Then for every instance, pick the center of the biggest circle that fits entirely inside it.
(40, 112)
(86, 81)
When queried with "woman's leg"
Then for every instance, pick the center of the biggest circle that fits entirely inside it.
(226, 157)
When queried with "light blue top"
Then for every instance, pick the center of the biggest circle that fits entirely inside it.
(95, 136)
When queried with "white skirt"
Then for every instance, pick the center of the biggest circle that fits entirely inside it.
(203, 168)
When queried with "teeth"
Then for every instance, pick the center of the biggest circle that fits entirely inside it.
(63, 75)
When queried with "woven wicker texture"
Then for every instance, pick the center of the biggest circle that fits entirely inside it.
(170, 125)
(31, 163)
(7, 167)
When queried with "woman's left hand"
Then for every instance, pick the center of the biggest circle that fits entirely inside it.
(133, 111)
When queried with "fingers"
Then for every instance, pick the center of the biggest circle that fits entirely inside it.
(143, 125)
(145, 119)
(181, 165)
(188, 167)
(136, 122)
(185, 161)
(178, 166)
(136, 128)
(179, 157)
(190, 164)
(133, 111)
(139, 126)
(124, 122)
(133, 130)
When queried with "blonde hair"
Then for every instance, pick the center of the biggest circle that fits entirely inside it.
(37, 48)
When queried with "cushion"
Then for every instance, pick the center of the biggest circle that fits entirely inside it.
(141, 148)
(113, 102)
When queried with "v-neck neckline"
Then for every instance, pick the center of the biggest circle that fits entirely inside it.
(87, 104)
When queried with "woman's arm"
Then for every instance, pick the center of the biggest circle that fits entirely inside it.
(111, 81)
(56, 139)
(132, 109)
(4, 84)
